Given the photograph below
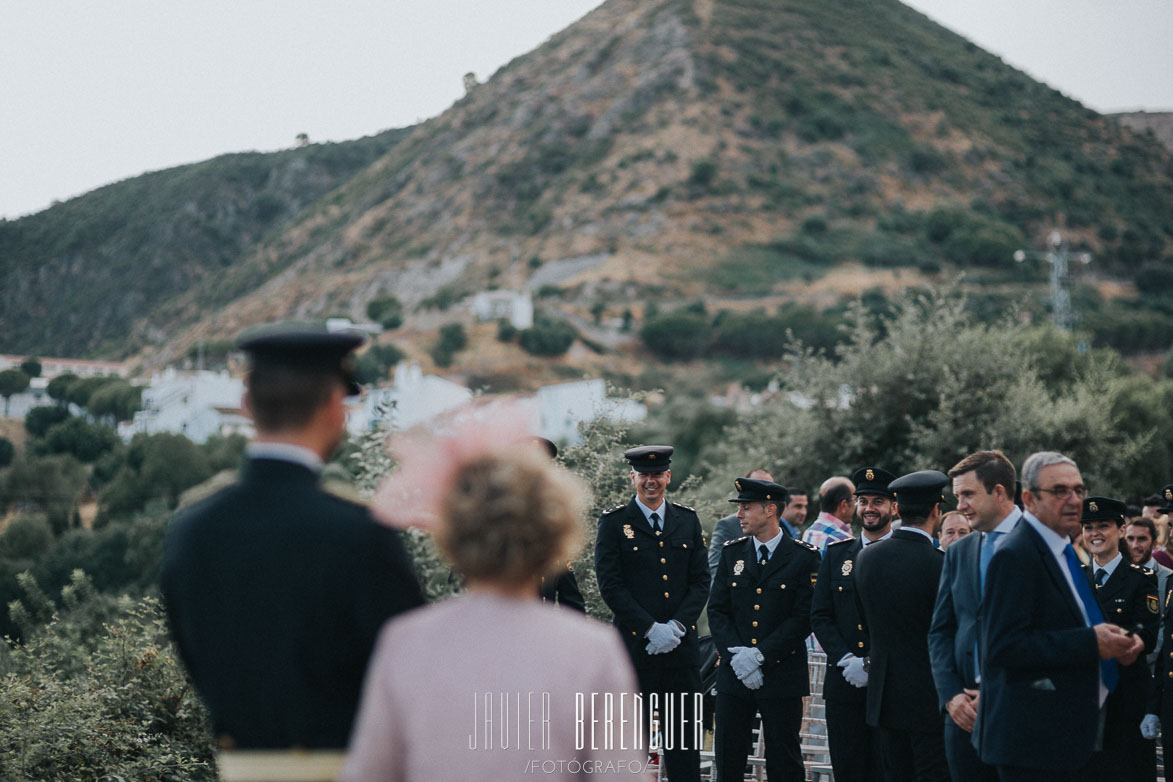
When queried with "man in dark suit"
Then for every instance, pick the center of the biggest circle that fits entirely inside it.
(838, 626)
(652, 574)
(276, 590)
(1127, 595)
(897, 590)
(759, 612)
(983, 483)
(1048, 659)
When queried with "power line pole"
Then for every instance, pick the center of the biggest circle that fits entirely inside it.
(1059, 257)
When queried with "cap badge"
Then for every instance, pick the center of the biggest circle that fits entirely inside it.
(846, 569)
(1169, 494)
(737, 484)
(739, 567)
(1093, 507)
(871, 476)
(651, 457)
(628, 532)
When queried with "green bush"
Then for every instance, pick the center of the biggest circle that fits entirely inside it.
(677, 335)
(83, 702)
(547, 337)
(38, 420)
(452, 339)
(79, 438)
(7, 452)
(386, 310)
(506, 331)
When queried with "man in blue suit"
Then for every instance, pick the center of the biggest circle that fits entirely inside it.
(983, 483)
(1048, 660)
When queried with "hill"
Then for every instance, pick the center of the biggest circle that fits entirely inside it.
(748, 152)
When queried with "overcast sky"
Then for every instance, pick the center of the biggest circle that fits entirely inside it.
(95, 92)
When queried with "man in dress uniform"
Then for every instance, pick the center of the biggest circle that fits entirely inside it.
(759, 612)
(275, 589)
(652, 574)
(983, 483)
(1127, 595)
(1047, 658)
(897, 588)
(729, 528)
(838, 626)
(1141, 536)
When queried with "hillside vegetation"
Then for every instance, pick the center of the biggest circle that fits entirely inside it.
(747, 152)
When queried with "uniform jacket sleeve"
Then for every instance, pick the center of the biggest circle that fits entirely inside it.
(943, 635)
(694, 600)
(823, 623)
(630, 615)
(791, 634)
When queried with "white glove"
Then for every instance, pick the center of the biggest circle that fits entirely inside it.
(753, 679)
(1149, 726)
(662, 638)
(853, 671)
(677, 628)
(744, 661)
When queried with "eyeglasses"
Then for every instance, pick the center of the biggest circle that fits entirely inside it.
(1063, 492)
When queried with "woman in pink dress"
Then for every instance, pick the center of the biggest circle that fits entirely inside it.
(494, 684)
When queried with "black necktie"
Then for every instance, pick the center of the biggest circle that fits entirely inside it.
(763, 554)
(1101, 576)
(656, 522)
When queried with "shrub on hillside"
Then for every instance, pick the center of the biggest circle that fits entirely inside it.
(547, 337)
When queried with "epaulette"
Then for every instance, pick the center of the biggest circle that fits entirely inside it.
(614, 510)
(735, 540)
(685, 507)
(1134, 565)
(811, 546)
(1148, 571)
(836, 543)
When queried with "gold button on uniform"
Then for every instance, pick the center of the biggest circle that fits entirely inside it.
(753, 640)
(783, 586)
(859, 626)
(840, 589)
(861, 644)
(757, 608)
(663, 561)
(661, 544)
(665, 594)
(755, 624)
(665, 576)
(759, 590)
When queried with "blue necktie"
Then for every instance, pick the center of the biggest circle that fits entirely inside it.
(1108, 670)
(989, 544)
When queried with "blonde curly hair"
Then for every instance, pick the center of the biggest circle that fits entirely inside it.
(510, 516)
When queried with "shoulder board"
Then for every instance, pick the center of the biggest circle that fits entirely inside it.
(836, 543)
(683, 507)
(809, 545)
(616, 509)
(735, 540)
(1147, 571)
(1134, 566)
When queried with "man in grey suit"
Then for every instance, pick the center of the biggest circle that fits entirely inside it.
(983, 483)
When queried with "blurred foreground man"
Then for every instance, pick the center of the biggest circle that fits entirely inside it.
(1048, 660)
(897, 590)
(275, 589)
(653, 575)
(983, 483)
(759, 612)
(836, 622)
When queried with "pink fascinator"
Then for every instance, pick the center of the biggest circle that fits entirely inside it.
(413, 494)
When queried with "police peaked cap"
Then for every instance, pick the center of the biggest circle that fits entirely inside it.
(920, 487)
(872, 480)
(303, 346)
(1102, 509)
(649, 458)
(751, 490)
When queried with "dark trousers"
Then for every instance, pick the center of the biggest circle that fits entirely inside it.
(781, 721)
(1012, 774)
(683, 761)
(854, 746)
(913, 756)
(964, 763)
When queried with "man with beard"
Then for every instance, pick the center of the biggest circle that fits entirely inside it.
(1048, 660)
(652, 574)
(1141, 535)
(835, 620)
(983, 483)
(897, 590)
(1127, 595)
